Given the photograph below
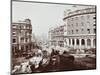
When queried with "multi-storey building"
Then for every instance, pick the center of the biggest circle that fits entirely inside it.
(81, 28)
(21, 37)
(56, 36)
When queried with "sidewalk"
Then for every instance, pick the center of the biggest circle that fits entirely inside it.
(18, 60)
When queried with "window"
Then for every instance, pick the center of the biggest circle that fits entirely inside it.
(82, 17)
(14, 26)
(27, 39)
(68, 19)
(77, 42)
(88, 42)
(94, 24)
(27, 26)
(76, 30)
(69, 41)
(27, 48)
(94, 17)
(14, 40)
(76, 18)
(14, 33)
(72, 19)
(72, 32)
(22, 39)
(94, 31)
(88, 30)
(73, 41)
(14, 48)
(25, 33)
(83, 42)
(82, 30)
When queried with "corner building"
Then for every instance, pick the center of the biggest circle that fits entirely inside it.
(81, 28)
(21, 37)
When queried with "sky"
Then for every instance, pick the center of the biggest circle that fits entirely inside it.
(43, 16)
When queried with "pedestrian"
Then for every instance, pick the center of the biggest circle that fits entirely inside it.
(24, 66)
(28, 69)
(16, 69)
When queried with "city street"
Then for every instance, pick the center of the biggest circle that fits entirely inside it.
(78, 64)
(60, 64)
(63, 38)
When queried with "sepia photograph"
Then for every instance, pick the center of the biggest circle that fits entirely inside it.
(52, 37)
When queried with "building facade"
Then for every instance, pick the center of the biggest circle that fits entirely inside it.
(81, 28)
(21, 37)
(56, 36)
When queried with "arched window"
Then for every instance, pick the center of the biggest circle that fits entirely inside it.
(69, 42)
(88, 42)
(77, 41)
(83, 42)
(73, 41)
(94, 42)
